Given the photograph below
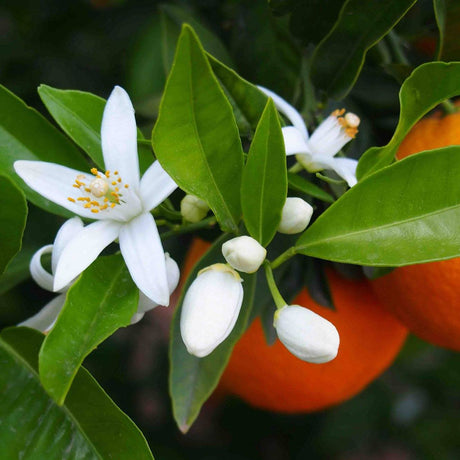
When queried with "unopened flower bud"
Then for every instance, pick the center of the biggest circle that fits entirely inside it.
(193, 208)
(306, 335)
(244, 253)
(296, 216)
(172, 275)
(210, 309)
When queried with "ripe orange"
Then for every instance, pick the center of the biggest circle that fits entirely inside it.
(426, 297)
(271, 378)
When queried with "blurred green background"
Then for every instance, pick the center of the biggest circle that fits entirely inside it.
(412, 411)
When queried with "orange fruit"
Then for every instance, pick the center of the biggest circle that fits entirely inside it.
(271, 378)
(426, 297)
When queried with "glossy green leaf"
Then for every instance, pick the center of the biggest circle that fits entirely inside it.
(88, 426)
(193, 379)
(406, 213)
(264, 184)
(299, 184)
(103, 299)
(448, 17)
(428, 85)
(12, 220)
(153, 54)
(309, 20)
(79, 114)
(440, 11)
(339, 57)
(196, 138)
(264, 50)
(247, 100)
(27, 135)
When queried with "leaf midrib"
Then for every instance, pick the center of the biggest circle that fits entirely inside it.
(372, 229)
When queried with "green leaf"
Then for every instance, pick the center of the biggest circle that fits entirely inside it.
(325, 14)
(101, 301)
(17, 270)
(264, 184)
(88, 426)
(406, 213)
(299, 184)
(428, 85)
(440, 11)
(196, 138)
(247, 100)
(447, 18)
(153, 54)
(339, 57)
(27, 135)
(193, 379)
(79, 114)
(264, 50)
(12, 220)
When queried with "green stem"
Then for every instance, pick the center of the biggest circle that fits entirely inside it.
(182, 229)
(147, 142)
(277, 297)
(286, 255)
(296, 167)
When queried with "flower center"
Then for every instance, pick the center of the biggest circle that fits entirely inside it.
(105, 191)
(349, 123)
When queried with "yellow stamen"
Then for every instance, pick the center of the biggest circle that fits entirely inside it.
(71, 199)
(107, 174)
(126, 185)
(95, 211)
(83, 198)
(94, 171)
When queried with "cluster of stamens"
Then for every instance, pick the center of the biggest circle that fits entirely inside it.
(349, 122)
(103, 192)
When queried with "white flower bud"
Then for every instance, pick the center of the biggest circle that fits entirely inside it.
(172, 275)
(296, 216)
(210, 309)
(244, 253)
(306, 335)
(193, 208)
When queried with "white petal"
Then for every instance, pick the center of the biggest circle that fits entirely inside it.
(54, 182)
(210, 309)
(119, 137)
(156, 186)
(287, 109)
(307, 335)
(244, 253)
(136, 318)
(328, 138)
(83, 249)
(142, 250)
(172, 274)
(67, 231)
(296, 215)
(293, 141)
(38, 273)
(46, 317)
(344, 167)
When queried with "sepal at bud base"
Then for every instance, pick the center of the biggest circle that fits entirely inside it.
(295, 216)
(244, 253)
(210, 309)
(306, 335)
(193, 209)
